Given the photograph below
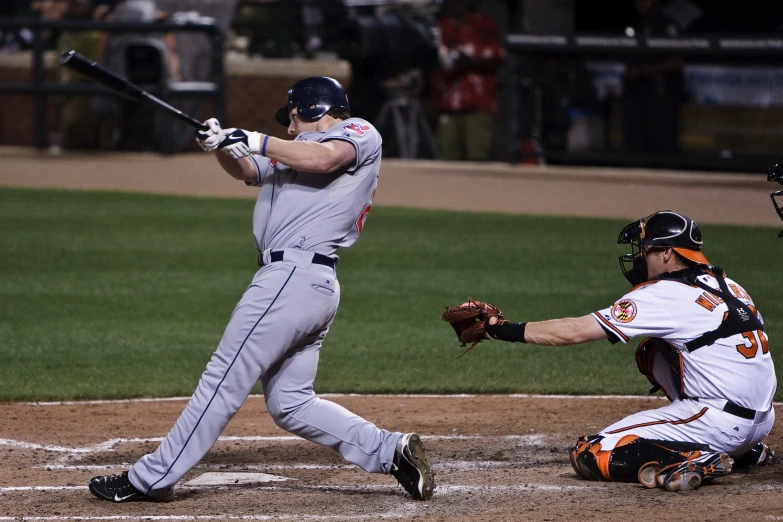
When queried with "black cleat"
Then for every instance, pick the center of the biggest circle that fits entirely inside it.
(759, 455)
(411, 467)
(117, 488)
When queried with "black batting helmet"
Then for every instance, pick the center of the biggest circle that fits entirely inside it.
(776, 174)
(667, 229)
(313, 97)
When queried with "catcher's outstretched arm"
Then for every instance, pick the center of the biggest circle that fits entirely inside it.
(557, 332)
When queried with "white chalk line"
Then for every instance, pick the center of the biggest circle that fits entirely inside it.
(400, 513)
(370, 395)
(342, 395)
(441, 465)
(212, 517)
(111, 444)
(440, 489)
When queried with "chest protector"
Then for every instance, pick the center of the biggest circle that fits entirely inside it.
(737, 319)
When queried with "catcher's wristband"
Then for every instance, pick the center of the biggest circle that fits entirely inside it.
(507, 331)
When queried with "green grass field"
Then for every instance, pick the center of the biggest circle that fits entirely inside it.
(108, 295)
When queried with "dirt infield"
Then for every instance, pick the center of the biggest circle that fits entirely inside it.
(496, 457)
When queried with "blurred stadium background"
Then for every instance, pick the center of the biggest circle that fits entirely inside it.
(691, 84)
(559, 86)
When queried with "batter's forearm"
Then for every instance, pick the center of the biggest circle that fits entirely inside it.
(307, 156)
(242, 169)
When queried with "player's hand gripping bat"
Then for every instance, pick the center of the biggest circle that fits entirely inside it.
(123, 86)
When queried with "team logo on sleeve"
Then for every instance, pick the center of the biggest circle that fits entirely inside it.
(624, 311)
(356, 128)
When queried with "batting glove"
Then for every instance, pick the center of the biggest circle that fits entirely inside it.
(241, 143)
(210, 138)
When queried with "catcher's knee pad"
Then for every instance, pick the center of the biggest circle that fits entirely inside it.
(622, 463)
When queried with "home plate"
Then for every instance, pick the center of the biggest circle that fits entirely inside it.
(227, 479)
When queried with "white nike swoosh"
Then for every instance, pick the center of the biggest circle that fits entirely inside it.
(118, 498)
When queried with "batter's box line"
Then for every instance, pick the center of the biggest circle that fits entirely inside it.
(403, 513)
(110, 445)
(441, 489)
(439, 465)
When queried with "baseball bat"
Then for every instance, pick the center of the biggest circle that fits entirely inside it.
(122, 86)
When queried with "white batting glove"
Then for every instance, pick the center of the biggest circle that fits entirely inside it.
(240, 143)
(210, 139)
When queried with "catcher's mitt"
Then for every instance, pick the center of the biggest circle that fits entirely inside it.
(469, 320)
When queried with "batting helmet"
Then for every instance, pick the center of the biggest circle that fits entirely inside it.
(776, 174)
(313, 97)
(665, 229)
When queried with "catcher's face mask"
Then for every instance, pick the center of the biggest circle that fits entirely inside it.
(776, 174)
(633, 265)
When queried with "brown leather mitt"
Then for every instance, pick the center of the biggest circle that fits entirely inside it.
(469, 321)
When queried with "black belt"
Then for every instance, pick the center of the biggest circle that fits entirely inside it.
(735, 409)
(277, 255)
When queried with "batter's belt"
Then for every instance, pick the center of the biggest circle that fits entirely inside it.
(276, 256)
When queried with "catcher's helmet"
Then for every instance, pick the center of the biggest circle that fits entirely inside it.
(313, 97)
(776, 174)
(662, 229)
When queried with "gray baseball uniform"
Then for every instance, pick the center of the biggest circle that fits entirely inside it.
(277, 328)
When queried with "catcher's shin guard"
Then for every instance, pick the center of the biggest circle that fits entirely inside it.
(629, 455)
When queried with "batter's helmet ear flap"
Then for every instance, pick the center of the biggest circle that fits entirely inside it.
(282, 117)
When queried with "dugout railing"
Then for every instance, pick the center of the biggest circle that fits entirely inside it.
(41, 89)
(528, 78)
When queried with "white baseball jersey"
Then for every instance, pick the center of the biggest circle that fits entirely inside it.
(738, 368)
(318, 212)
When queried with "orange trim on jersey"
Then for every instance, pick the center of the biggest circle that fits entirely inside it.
(655, 423)
(691, 419)
(682, 374)
(646, 283)
(642, 425)
(610, 325)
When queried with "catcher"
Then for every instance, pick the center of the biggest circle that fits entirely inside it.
(704, 346)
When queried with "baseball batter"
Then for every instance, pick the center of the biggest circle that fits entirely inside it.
(316, 192)
(704, 346)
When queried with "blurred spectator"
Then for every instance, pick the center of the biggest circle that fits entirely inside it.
(652, 86)
(386, 48)
(195, 56)
(12, 39)
(84, 120)
(48, 10)
(464, 89)
(147, 59)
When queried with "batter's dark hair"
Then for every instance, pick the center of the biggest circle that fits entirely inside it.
(338, 113)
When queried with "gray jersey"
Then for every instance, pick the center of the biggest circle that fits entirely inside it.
(318, 212)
